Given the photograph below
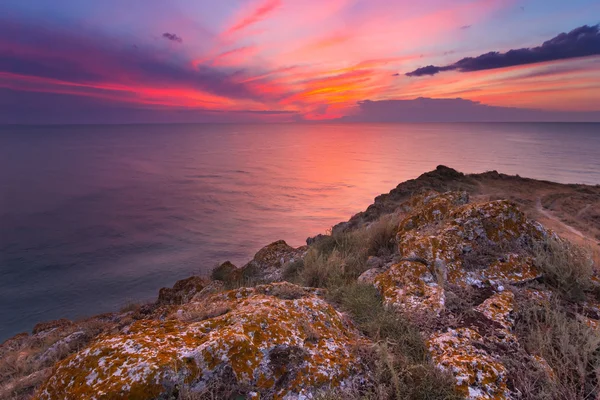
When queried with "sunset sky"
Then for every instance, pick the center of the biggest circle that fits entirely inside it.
(292, 60)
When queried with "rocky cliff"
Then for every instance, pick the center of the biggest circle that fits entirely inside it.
(431, 293)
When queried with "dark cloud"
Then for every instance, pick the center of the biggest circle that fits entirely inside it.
(396, 74)
(464, 27)
(56, 53)
(456, 110)
(581, 42)
(172, 37)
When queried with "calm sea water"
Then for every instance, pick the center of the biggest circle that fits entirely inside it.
(94, 217)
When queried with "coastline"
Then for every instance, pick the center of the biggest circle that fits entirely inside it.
(570, 211)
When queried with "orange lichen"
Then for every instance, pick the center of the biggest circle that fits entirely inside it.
(478, 374)
(411, 287)
(443, 238)
(431, 207)
(499, 308)
(447, 242)
(512, 269)
(151, 357)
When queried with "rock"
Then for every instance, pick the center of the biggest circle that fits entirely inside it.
(51, 325)
(226, 272)
(467, 231)
(447, 243)
(266, 266)
(431, 207)
(375, 262)
(478, 374)
(182, 291)
(211, 288)
(316, 239)
(277, 341)
(369, 276)
(411, 287)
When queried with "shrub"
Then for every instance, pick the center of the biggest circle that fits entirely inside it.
(565, 266)
(340, 258)
(291, 271)
(570, 347)
(399, 364)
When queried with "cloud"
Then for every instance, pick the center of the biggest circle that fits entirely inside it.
(456, 110)
(55, 55)
(464, 27)
(580, 42)
(259, 13)
(172, 37)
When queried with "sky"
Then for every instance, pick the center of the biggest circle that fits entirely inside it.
(114, 61)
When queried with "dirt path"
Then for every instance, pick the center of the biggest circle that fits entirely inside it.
(570, 233)
(547, 214)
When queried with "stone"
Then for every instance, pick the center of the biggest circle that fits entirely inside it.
(411, 287)
(51, 325)
(182, 291)
(266, 266)
(226, 272)
(277, 341)
(478, 374)
(369, 276)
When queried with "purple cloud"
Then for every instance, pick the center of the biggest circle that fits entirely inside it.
(172, 37)
(580, 42)
(456, 110)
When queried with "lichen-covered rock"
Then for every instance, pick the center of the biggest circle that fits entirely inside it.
(182, 291)
(473, 234)
(498, 308)
(369, 276)
(447, 243)
(30, 357)
(431, 207)
(478, 374)
(513, 268)
(266, 266)
(276, 340)
(411, 287)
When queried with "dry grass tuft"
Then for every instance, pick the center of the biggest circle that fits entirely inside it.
(398, 363)
(340, 258)
(571, 348)
(566, 267)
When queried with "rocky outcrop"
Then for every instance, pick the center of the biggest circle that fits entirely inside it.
(461, 269)
(449, 245)
(266, 266)
(273, 341)
(182, 291)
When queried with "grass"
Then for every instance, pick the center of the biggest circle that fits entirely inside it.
(399, 363)
(566, 267)
(341, 257)
(571, 348)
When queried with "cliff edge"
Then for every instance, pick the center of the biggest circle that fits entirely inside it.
(448, 287)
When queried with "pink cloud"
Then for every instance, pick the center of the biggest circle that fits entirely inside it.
(251, 17)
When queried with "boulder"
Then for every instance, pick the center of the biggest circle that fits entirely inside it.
(267, 264)
(411, 287)
(226, 272)
(182, 291)
(448, 245)
(273, 341)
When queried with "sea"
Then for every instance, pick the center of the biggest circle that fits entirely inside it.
(95, 217)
